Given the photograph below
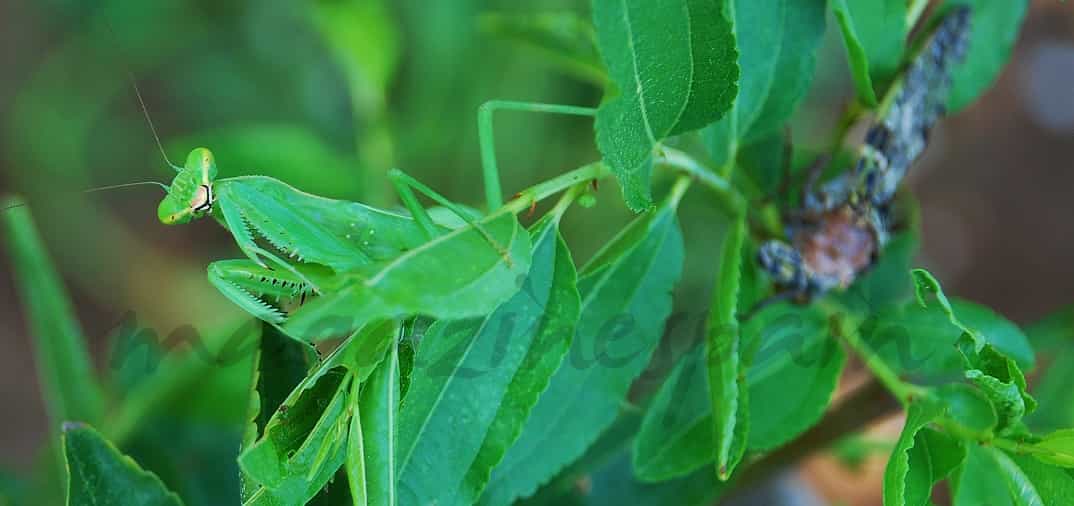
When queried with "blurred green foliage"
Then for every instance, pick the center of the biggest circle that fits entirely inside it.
(329, 95)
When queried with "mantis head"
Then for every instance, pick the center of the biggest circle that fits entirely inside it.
(190, 195)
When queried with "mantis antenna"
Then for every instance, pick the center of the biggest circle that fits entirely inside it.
(148, 119)
(101, 188)
(141, 101)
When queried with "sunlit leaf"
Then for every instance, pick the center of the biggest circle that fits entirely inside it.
(1056, 448)
(674, 70)
(921, 457)
(993, 477)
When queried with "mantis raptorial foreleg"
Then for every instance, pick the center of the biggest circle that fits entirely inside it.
(239, 227)
(487, 139)
(248, 285)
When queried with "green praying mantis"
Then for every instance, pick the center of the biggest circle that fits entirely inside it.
(355, 263)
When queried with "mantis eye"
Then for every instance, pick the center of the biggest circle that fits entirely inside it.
(203, 199)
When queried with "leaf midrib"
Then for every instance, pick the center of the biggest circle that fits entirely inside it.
(605, 275)
(440, 395)
(637, 73)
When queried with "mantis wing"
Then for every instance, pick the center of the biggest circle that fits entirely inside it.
(478, 278)
(341, 235)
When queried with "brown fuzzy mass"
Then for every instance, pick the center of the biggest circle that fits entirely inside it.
(840, 246)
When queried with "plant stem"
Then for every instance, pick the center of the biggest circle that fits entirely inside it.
(683, 162)
(565, 201)
(848, 329)
(914, 11)
(671, 158)
(540, 191)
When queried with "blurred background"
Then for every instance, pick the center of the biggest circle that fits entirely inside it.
(328, 94)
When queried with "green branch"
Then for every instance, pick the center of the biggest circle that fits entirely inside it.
(847, 329)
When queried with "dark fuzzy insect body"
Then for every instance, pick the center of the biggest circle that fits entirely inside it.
(844, 225)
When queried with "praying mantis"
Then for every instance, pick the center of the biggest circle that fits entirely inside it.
(358, 263)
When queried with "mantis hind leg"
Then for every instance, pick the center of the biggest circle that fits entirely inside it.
(404, 183)
(486, 138)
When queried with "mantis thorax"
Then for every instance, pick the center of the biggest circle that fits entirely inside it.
(191, 193)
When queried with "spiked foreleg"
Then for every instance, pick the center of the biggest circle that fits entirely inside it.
(254, 288)
(242, 231)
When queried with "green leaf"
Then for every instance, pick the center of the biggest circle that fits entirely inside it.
(676, 434)
(615, 484)
(969, 408)
(919, 340)
(794, 374)
(379, 411)
(564, 38)
(626, 298)
(992, 370)
(605, 471)
(932, 458)
(1002, 381)
(995, 30)
(908, 476)
(192, 456)
(475, 381)
(100, 475)
(280, 365)
(304, 441)
(486, 265)
(791, 380)
(354, 466)
(777, 42)
(993, 477)
(980, 480)
(294, 463)
(1052, 338)
(673, 66)
(874, 32)
(1056, 448)
(726, 377)
(64, 368)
